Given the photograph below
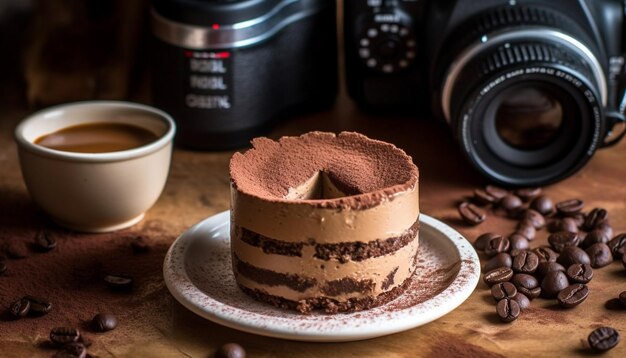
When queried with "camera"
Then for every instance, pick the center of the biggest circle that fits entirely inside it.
(228, 69)
(530, 89)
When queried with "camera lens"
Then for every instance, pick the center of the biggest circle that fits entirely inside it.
(524, 100)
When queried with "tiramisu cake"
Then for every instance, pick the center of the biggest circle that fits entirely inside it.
(324, 221)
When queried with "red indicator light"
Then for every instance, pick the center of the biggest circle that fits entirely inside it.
(215, 26)
(221, 55)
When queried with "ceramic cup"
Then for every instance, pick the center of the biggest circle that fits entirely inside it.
(95, 192)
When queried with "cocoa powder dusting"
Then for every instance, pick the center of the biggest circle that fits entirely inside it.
(447, 345)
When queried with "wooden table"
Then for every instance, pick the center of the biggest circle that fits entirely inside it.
(153, 324)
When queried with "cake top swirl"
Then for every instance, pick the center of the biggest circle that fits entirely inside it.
(364, 170)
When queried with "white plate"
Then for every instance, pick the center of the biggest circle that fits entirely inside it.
(197, 271)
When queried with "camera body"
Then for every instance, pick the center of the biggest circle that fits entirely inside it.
(529, 88)
(227, 70)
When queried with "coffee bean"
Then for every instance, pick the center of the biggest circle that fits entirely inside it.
(508, 310)
(481, 242)
(535, 217)
(562, 239)
(515, 252)
(38, 306)
(500, 274)
(569, 207)
(527, 285)
(500, 260)
(525, 262)
(595, 218)
(103, 322)
(20, 308)
(565, 224)
(503, 290)
(526, 194)
(510, 202)
(573, 255)
(545, 254)
(471, 214)
(618, 245)
(603, 338)
(64, 335)
(573, 295)
(496, 192)
(579, 273)
(497, 245)
(599, 255)
(594, 237)
(139, 245)
(622, 298)
(545, 267)
(543, 205)
(72, 350)
(44, 242)
(482, 198)
(522, 301)
(230, 350)
(526, 229)
(16, 250)
(553, 283)
(518, 242)
(118, 282)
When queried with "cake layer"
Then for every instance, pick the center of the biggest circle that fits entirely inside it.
(297, 278)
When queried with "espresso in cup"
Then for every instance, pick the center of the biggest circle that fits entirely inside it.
(97, 138)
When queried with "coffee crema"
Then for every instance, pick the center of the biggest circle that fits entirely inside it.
(97, 137)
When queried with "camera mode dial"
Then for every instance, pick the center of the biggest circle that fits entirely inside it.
(387, 47)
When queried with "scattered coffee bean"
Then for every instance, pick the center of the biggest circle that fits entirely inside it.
(503, 290)
(230, 350)
(573, 295)
(603, 338)
(527, 285)
(500, 260)
(525, 262)
(471, 214)
(481, 241)
(599, 255)
(119, 282)
(103, 322)
(622, 298)
(595, 218)
(569, 207)
(545, 267)
(594, 237)
(526, 229)
(72, 350)
(510, 202)
(522, 301)
(579, 273)
(553, 283)
(16, 250)
(518, 242)
(139, 245)
(534, 217)
(565, 224)
(545, 254)
(64, 335)
(501, 274)
(38, 306)
(543, 205)
(562, 239)
(496, 192)
(44, 242)
(515, 252)
(497, 245)
(508, 310)
(482, 198)
(526, 194)
(20, 308)
(606, 229)
(618, 245)
(573, 255)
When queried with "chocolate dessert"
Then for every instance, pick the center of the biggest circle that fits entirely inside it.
(324, 221)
